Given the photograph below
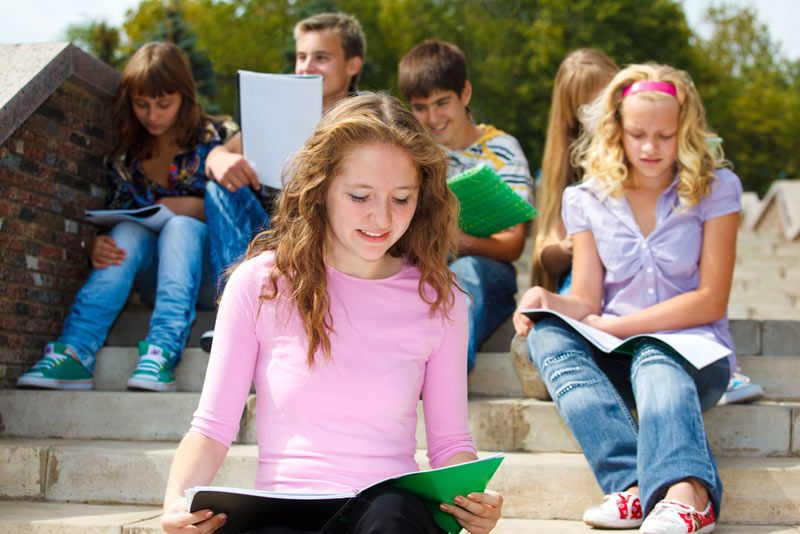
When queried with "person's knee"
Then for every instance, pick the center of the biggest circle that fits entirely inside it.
(130, 236)
(184, 227)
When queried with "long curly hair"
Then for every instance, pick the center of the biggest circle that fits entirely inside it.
(156, 69)
(599, 150)
(580, 77)
(299, 231)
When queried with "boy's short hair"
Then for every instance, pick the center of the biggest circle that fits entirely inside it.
(354, 42)
(432, 66)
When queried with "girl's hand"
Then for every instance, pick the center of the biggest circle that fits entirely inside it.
(606, 324)
(232, 171)
(478, 513)
(535, 297)
(105, 253)
(177, 519)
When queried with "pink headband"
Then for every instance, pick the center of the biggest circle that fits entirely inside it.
(661, 87)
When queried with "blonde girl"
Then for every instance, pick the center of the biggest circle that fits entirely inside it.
(580, 77)
(654, 235)
(344, 314)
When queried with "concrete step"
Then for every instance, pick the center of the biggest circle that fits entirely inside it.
(493, 374)
(762, 311)
(535, 485)
(23, 517)
(132, 325)
(516, 424)
(116, 364)
(490, 375)
(529, 425)
(779, 375)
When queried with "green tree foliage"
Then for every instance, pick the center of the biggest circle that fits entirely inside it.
(99, 39)
(752, 97)
(514, 48)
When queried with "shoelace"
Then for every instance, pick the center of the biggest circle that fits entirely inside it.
(51, 360)
(152, 362)
(664, 511)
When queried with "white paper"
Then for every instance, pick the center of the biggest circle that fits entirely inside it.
(152, 217)
(698, 350)
(278, 113)
(191, 492)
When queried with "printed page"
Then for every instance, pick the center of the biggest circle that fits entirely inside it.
(278, 113)
(697, 349)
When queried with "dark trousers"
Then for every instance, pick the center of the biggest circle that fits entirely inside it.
(381, 511)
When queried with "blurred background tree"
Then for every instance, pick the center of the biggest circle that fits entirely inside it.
(514, 47)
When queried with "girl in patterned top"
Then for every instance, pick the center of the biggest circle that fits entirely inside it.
(164, 137)
(654, 235)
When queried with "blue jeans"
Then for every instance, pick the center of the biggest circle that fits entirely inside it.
(166, 266)
(233, 219)
(595, 393)
(492, 287)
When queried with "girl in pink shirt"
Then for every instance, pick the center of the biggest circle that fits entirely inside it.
(344, 314)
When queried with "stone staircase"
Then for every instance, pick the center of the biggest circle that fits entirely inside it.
(97, 461)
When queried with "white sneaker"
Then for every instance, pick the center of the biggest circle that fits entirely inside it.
(740, 389)
(675, 517)
(618, 510)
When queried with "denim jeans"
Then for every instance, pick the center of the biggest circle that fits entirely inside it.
(492, 287)
(166, 266)
(595, 392)
(233, 219)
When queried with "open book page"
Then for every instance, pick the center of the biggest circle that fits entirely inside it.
(698, 350)
(246, 508)
(278, 113)
(151, 217)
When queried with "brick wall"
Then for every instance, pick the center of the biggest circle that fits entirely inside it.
(51, 169)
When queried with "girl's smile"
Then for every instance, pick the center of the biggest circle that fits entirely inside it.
(369, 205)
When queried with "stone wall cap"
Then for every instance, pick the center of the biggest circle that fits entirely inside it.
(32, 72)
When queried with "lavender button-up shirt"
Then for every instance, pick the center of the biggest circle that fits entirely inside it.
(643, 271)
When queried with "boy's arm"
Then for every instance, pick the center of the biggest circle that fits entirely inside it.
(226, 164)
(506, 245)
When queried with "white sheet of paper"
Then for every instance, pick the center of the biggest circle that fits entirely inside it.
(696, 349)
(152, 217)
(278, 113)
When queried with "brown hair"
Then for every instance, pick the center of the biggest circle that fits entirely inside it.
(580, 77)
(300, 227)
(432, 66)
(347, 27)
(154, 70)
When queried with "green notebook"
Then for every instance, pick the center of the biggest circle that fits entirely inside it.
(442, 485)
(247, 509)
(488, 204)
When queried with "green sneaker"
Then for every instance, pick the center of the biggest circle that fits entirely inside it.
(156, 369)
(59, 368)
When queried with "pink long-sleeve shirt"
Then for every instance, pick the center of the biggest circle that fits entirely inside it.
(351, 420)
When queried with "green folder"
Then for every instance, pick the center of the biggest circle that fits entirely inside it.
(488, 204)
(443, 484)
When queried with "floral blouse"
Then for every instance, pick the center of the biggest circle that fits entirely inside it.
(129, 188)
